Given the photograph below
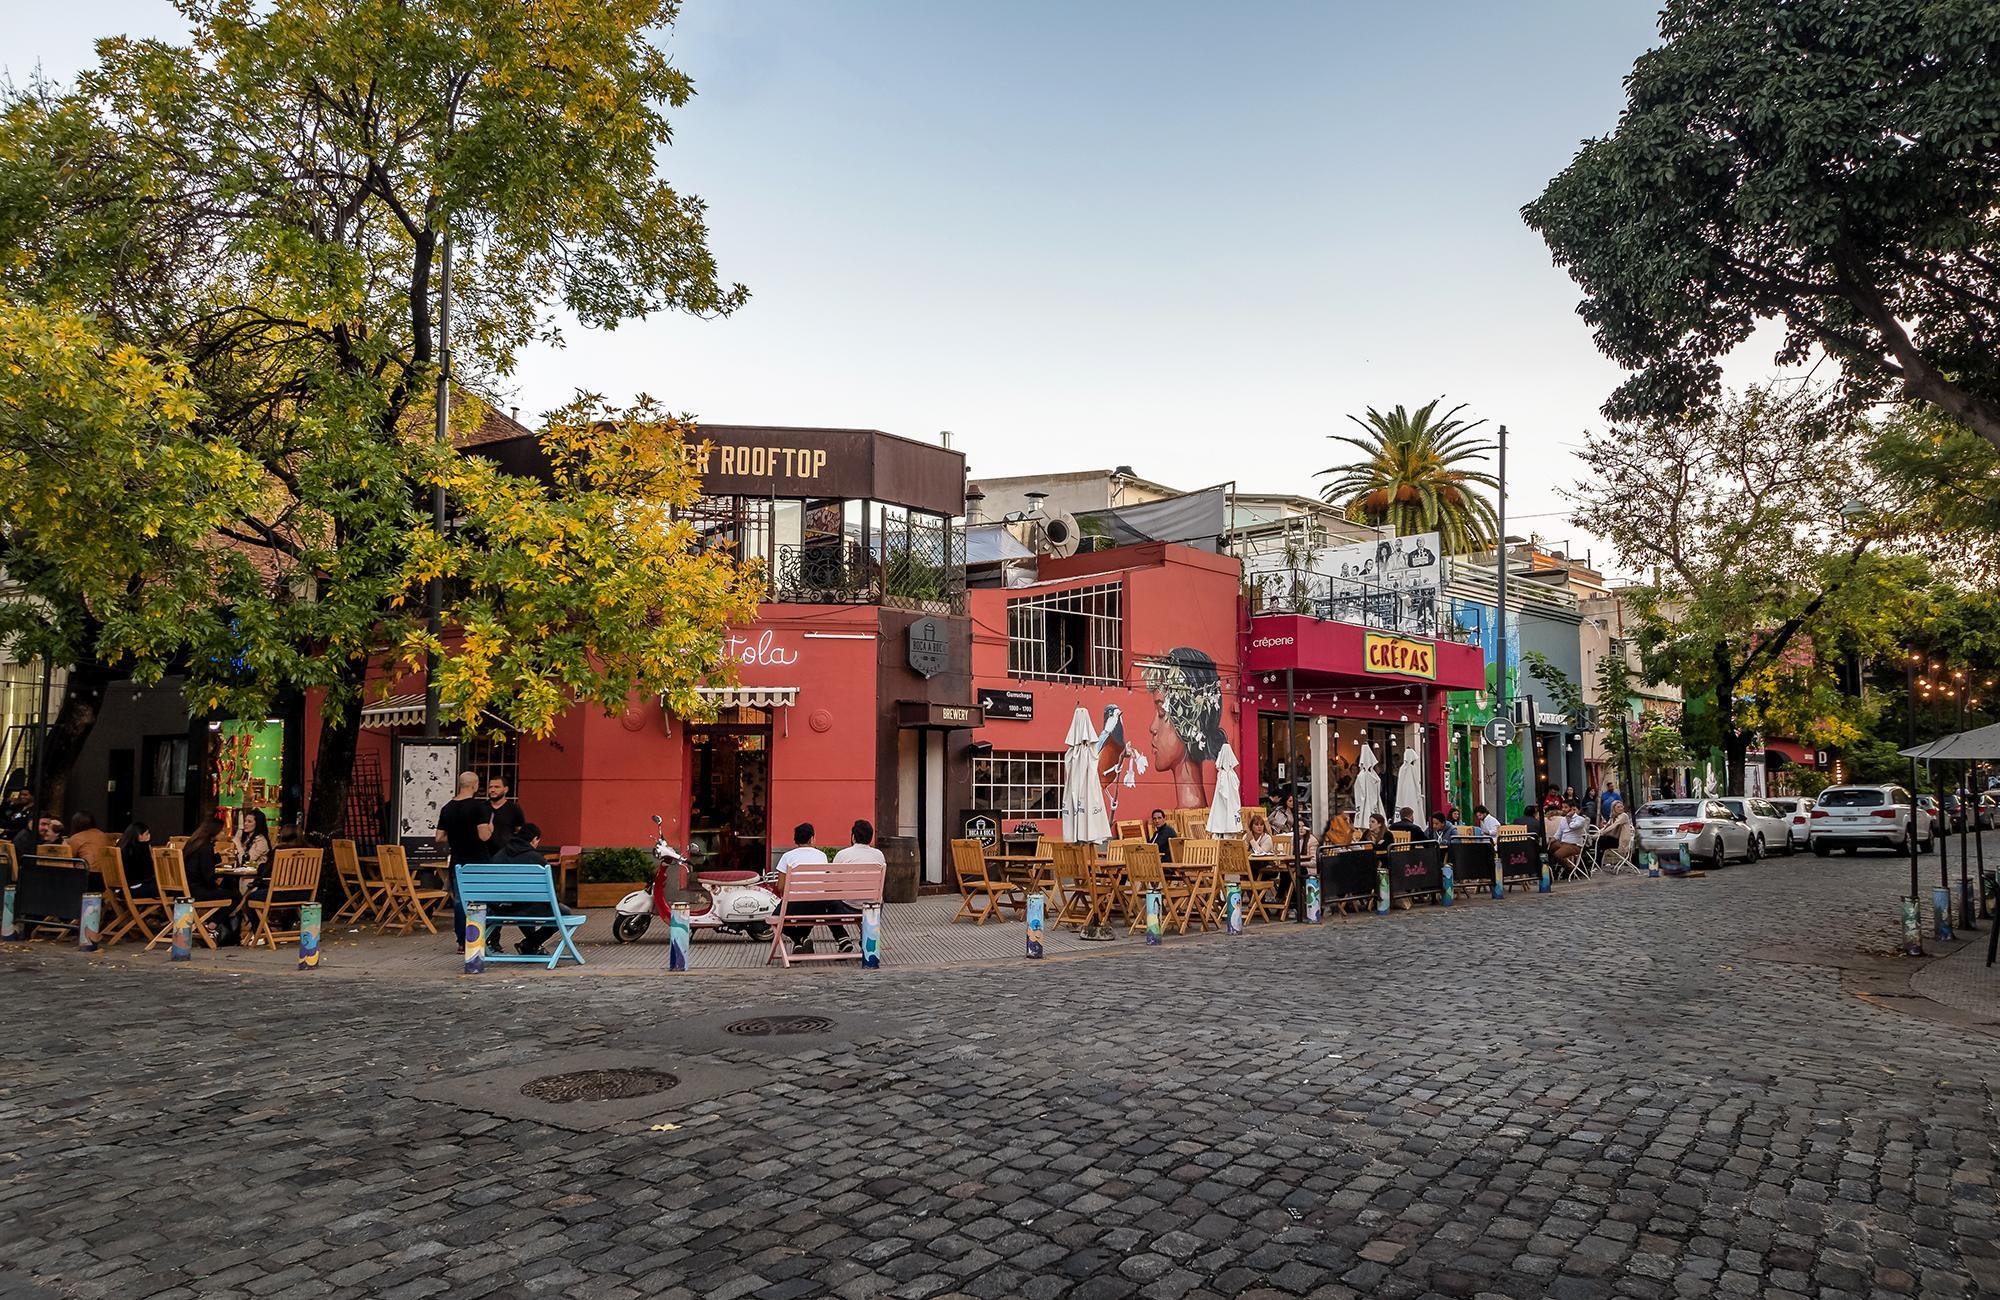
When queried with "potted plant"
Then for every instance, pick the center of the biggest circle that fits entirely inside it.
(603, 876)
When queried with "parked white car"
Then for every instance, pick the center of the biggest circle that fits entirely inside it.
(1713, 834)
(1798, 819)
(1767, 822)
(1855, 817)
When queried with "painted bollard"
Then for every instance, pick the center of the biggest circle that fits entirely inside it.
(1382, 891)
(1547, 881)
(90, 923)
(1037, 909)
(1154, 908)
(1687, 863)
(1649, 862)
(475, 938)
(1913, 938)
(180, 947)
(1233, 916)
(871, 936)
(1312, 896)
(7, 930)
(1941, 911)
(1499, 885)
(680, 932)
(309, 936)
(1450, 891)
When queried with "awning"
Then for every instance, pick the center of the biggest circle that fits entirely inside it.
(754, 697)
(1979, 743)
(395, 711)
(1789, 750)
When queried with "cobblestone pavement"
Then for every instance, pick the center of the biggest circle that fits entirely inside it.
(1647, 1088)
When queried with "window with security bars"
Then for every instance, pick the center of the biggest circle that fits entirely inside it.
(492, 756)
(1018, 784)
(1068, 636)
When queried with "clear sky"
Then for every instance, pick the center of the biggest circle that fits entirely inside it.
(1186, 237)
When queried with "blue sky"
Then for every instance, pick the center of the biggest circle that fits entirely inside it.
(1189, 238)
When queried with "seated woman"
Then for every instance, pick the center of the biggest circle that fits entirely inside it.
(1339, 832)
(1378, 831)
(135, 852)
(198, 856)
(1258, 837)
(1616, 833)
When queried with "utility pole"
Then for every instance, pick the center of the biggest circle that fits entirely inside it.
(435, 619)
(1501, 708)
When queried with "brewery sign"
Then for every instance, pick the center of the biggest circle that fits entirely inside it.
(930, 652)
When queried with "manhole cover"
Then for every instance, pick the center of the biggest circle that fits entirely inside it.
(598, 1085)
(773, 1026)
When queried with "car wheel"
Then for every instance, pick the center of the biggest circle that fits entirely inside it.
(1721, 859)
(1820, 849)
(1851, 850)
(1756, 848)
(1791, 844)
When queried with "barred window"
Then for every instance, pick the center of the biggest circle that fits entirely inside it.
(1068, 636)
(1018, 784)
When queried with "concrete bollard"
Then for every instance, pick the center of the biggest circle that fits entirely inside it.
(1154, 908)
(1382, 891)
(1499, 883)
(1312, 896)
(90, 923)
(1687, 863)
(309, 936)
(475, 938)
(871, 936)
(1233, 915)
(680, 933)
(180, 947)
(1548, 879)
(1941, 911)
(8, 932)
(1037, 910)
(1449, 892)
(1913, 937)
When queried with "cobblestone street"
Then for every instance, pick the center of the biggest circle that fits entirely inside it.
(1641, 1088)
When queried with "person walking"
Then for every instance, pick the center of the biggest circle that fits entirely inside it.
(465, 828)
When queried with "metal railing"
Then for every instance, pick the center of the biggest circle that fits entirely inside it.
(913, 566)
(1419, 612)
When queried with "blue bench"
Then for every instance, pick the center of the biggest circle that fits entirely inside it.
(528, 894)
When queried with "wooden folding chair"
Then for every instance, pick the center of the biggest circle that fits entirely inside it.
(170, 878)
(1074, 869)
(1131, 830)
(976, 881)
(1200, 872)
(129, 913)
(366, 900)
(294, 883)
(410, 903)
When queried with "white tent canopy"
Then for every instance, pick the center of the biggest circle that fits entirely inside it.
(1979, 743)
(1410, 784)
(1367, 787)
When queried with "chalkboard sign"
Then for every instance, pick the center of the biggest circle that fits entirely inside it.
(1519, 856)
(1414, 869)
(1347, 873)
(1471, 861)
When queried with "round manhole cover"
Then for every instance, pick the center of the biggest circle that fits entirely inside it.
(773, 1026)
(598, 1085)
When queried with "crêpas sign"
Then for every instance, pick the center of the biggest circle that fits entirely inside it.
(1400, 655)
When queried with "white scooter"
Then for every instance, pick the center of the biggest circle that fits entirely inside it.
(735, 902)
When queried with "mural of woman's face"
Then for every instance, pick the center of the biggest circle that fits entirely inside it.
(1169, 750)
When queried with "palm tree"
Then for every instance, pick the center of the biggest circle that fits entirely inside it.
(1413, 477)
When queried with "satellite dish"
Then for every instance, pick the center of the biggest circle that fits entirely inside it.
(1060, 535)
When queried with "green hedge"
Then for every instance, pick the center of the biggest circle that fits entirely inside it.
(614, 866)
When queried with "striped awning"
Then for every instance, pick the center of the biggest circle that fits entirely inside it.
(394, 711)
(754, 697)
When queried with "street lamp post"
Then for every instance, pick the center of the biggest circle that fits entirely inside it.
(1501, 708)
(1970, 826)
(1910, 736)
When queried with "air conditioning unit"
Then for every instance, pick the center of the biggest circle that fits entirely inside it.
(1059, 535)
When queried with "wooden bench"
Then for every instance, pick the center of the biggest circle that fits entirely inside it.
(849, 884)
(528, 892)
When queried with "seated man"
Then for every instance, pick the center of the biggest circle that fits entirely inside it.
(1486, 822)
(1161, 834)
(524, 846)
(1570, 840)
(1440, 828)
(804, 853)
(1406, 821)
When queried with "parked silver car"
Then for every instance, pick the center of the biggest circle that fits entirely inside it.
(1854, 817)
(1713, 834)
(1798, 819)
(1767, 823)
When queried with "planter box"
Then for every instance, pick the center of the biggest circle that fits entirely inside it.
(603, 895)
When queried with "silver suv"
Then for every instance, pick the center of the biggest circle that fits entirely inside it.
(1868, 816)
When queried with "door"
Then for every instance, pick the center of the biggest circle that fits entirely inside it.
(729, 792)
(121, 778)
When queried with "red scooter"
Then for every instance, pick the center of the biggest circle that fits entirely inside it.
(735, 902)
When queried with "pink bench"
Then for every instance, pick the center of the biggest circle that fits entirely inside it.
(847, 883)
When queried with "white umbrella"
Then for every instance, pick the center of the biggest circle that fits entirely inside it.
(1367, 787)
(1708, 784)
(1083, 817)
(1410, 783)
(1225, 811)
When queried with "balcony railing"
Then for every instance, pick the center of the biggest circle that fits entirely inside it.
(914, 567)
(1409, 612)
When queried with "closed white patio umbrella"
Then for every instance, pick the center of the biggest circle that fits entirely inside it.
(1083, 817)
(1410, 784)
(1225, 811)
(1367, 788)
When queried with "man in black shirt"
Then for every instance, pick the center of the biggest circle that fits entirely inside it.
(1406, 821)
(465, 827)
(508, 819)
(1161, 833)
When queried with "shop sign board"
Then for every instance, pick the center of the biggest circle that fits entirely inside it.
(982, 827)
(930, 651)
(926, 713)
(1008, 706)
(426, 780)
(1401, 656)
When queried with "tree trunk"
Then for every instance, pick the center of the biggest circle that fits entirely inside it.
(333, 770)
(82, 702)
(1736, 748)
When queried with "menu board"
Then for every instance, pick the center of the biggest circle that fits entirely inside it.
(426, 779)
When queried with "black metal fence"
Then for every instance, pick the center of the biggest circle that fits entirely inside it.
(911, 565)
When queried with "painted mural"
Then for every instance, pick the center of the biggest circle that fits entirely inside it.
(1187, 730)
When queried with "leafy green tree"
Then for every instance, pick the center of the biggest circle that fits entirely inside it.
(1744, 531)
(1819, 162)
(1413, 476)
(268, 206)
(1941, 485)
